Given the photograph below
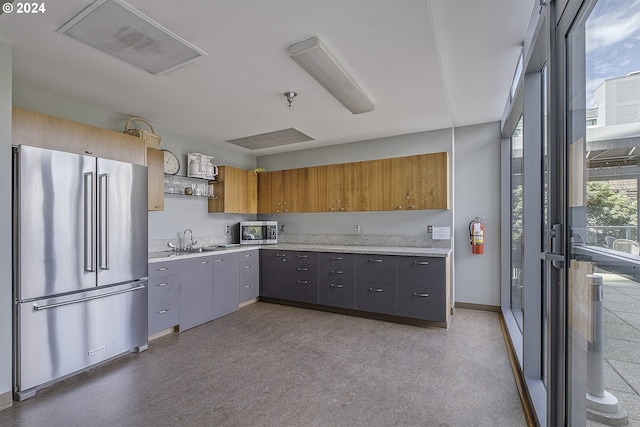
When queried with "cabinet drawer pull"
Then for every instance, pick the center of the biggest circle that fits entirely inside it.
(248, 286)
(280, 255)
(162, 284)
(415, 294)
(303, 269)
(421, 262)
(204, 262)
(248, 255)
(374, 260)
(303, 282)
(336, 271)
(303, 256)
(375, 289)
(336, 258)
(247, 266)
(336, 285)
(163, 311)
(163, 269)
(219, 260)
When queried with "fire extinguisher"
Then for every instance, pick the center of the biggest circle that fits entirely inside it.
(476, 236)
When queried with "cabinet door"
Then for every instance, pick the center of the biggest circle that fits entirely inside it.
(428, 181)
(226, 279)
(270, 192)
(327, 183)
(386, 185)
(273, 274)
(155, 171)
(376, 268)
(353, 186)
(250, 192)
(336, 292)
(376, 297)
(196, 292)
(422, 303)
(422, 272)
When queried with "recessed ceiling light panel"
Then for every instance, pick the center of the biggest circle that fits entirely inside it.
(271, 139)
(119, 30)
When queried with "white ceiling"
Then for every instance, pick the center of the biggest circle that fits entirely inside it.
(426, 64)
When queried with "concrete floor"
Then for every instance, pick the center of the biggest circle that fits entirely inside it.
(273, 365)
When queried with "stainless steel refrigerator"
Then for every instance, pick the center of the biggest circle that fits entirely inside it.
(80, 264)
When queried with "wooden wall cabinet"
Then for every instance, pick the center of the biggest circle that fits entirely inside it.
(155, 174)
(235, 191)
(40, 130)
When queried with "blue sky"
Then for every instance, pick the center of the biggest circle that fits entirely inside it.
(612, 42)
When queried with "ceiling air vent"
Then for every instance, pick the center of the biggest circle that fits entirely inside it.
(119, 30)
(272, 139)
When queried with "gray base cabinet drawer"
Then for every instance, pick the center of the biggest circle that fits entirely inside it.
(376, 268)
(303, 289)
(422, 271)
(158, 269)
(376, 297)
(338, 272)
(249, 290)
(331, 258)
(422, 303)
(249, 270)
(164, 316)
(163, 289)
(337, 293)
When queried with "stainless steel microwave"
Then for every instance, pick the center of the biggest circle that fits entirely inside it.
(258, 232)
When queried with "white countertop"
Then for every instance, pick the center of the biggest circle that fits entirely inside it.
(378, 250)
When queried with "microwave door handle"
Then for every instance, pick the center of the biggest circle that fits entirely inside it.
(89, 224)
(104, 221)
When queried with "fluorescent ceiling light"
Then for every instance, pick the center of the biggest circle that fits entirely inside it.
(316, 60)
(119, 30)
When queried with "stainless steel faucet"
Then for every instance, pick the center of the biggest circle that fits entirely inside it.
(184, 238)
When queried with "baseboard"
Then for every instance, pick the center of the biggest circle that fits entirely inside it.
(523, 392)
(482, 307)
(6, 400)
(251, 301)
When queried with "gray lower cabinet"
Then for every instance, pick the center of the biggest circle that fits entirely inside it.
(273, 273)
(336, 286)
(422, 288)
(164, 296)
(249, 275)
(302, 277)
(376, 283)
(226, 276)
(196, 292)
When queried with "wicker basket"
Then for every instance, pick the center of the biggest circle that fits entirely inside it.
(150, 138)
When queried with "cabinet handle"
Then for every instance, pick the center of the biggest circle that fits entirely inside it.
(204, 262)
(303, 269)
(218, 260)
(247, 266)
(375, 289)
(280, 255)
(415, 294)
(336, 285)
(248, 255)
(248, 286)
(303, 256)
(375, 260)
(162, 269)
(421, 262)
(336, 258)
(398, 207)
(163, 311)
(336, 272)
(162, 284)
(302, 282)
(412, 206)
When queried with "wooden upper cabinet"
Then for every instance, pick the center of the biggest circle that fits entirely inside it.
(270, 192)
(353, 187)
(155, 171)
(235, 191)
(54, 133)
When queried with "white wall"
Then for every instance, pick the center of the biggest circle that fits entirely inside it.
(5, 226)
(180, 212)
(477, 193)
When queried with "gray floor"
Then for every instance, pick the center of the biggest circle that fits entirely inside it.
(273, 365)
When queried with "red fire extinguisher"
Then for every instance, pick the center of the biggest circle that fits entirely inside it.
(476, 236)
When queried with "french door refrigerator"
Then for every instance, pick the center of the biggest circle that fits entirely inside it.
(80, 264)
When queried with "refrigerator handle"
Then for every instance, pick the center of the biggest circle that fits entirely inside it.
(104, 220)
(89, 224)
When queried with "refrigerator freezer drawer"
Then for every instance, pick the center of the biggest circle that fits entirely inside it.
(57, 337)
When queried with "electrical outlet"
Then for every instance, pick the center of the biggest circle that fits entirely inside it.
(356, 228)
(429, 228)
(227, 229)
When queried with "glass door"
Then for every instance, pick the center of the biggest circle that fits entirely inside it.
(599, 42)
